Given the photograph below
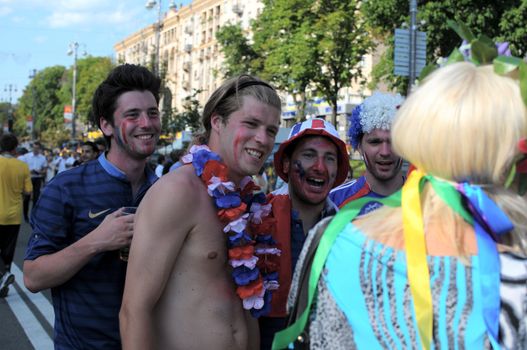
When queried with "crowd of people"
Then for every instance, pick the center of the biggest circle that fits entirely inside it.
(430, 257)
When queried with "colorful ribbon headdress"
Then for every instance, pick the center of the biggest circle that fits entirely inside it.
(483, 51)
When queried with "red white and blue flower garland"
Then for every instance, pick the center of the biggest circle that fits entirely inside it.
(249, 226)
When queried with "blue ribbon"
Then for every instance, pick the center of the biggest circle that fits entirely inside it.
(483, 209)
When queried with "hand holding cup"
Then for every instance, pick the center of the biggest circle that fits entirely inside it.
(123, 252)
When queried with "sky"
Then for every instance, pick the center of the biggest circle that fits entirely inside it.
(36, 34)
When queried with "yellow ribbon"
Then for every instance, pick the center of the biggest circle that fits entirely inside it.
(415, 247)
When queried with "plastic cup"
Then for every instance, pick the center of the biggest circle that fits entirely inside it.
(124, 251)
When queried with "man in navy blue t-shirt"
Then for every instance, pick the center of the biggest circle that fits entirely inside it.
(79, 224)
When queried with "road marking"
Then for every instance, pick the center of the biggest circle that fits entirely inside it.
(38, 299)
(36, 334)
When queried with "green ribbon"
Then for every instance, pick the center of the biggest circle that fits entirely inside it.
(444, 190)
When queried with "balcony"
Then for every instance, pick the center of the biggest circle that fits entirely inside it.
(237, 9)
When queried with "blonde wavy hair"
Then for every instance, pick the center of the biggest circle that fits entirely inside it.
(463, 123)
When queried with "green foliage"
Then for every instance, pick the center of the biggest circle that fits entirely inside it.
(513, 29)
(190, 118)
(4, 108)
(358, 167)
(343, 41)
(51, 89)
(283, 36)
(91, 71)
(56, 136)
(499, 20)
(483, 51)
(301, 46)
(239, 55)
(44, 93)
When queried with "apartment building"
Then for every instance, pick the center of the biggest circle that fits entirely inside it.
(187, 45)
(191, 55)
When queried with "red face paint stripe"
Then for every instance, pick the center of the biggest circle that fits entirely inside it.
(237, 141)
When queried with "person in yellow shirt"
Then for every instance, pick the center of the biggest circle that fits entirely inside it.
(14, 182)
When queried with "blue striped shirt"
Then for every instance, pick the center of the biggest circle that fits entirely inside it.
(352, 190)
(72, 205)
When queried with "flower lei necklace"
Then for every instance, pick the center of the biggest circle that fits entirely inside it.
(249, 226)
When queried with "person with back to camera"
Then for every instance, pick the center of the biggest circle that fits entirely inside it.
(424, 270)
(79, 224)
(15, 182)
(200, 227)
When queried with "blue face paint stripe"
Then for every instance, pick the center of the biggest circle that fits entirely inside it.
(298, 167)
(118, 138)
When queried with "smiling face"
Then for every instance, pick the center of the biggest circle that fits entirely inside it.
(87, 153)
(312, 168)
(136, 126)
(381, 161)
(247, 137)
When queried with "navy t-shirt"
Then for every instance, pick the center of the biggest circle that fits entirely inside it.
(72, 205)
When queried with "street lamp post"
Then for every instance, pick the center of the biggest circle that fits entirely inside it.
(10, 88)
(150, 4)
(74, 46)
(413, 44)
(33, 106)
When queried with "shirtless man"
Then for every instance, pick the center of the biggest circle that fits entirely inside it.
(179, 292)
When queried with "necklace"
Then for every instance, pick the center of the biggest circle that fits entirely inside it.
(249, 226)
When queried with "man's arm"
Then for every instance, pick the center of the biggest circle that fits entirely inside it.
(54, 269)
(164, 219)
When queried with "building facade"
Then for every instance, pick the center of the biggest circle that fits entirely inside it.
(191, 59)
(189, 53)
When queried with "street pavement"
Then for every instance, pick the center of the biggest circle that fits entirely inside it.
(26, 318)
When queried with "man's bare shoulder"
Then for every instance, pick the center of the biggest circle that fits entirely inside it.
(175, 194)
(178, 184)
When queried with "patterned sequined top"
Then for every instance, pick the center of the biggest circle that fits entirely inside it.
(364, 302)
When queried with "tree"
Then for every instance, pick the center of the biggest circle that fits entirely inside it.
(282, 34)
(48, 100)
(4, 108)
(91, 71)
(239, 55)
(52, 89)
(190, 118)
(301, 46)
(499, 20)
(343, 41)
(513, 29)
